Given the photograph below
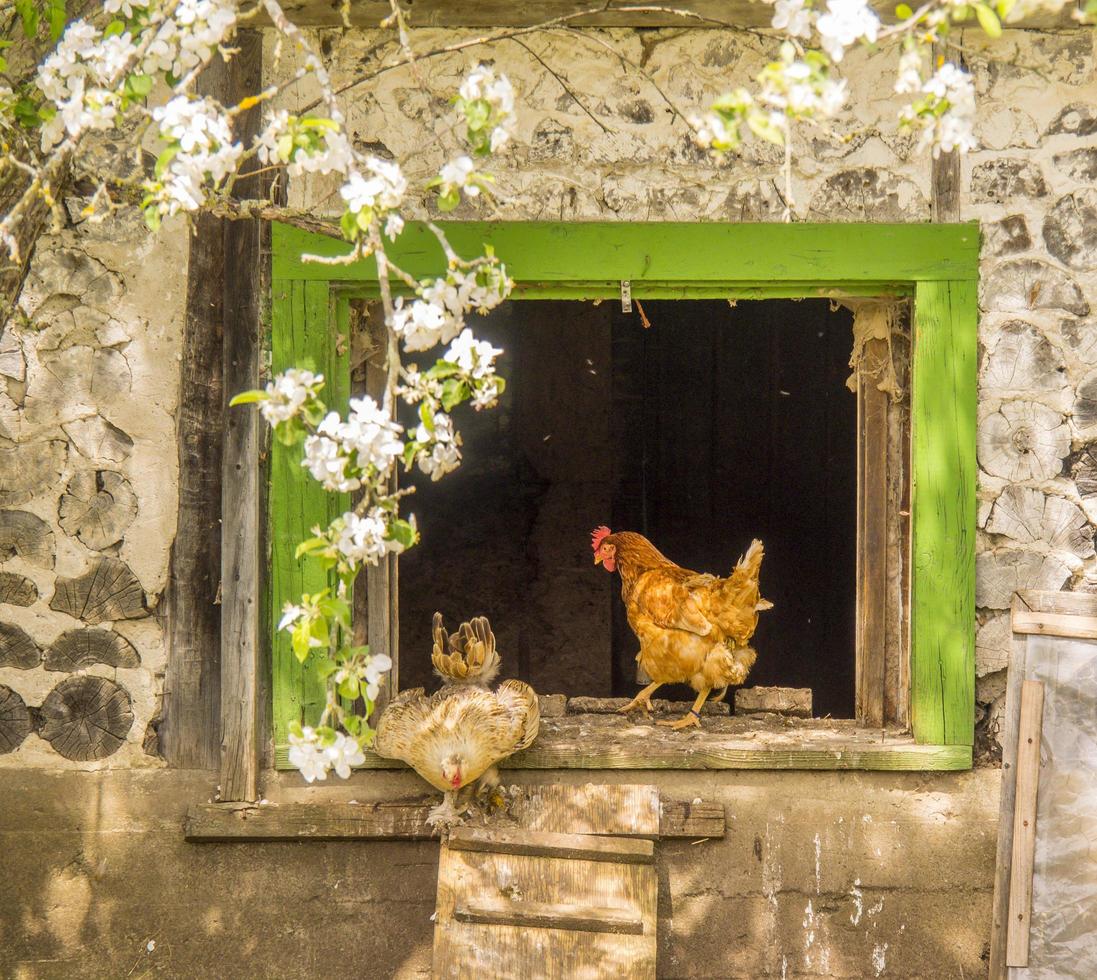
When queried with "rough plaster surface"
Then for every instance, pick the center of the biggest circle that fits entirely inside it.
(89, 380)
(819, 875)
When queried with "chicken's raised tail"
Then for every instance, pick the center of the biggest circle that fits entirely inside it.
(467, 656)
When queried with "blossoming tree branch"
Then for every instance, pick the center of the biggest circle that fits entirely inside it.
(71, 70)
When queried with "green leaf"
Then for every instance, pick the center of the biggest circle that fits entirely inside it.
(55, 14)
(138, 86)
(988, 20)
(411, 449)
(299, 640)
(163, 161)
(477, 113)
(309, 546)
(353, 724)
(28, 14)
(448, 201)
(349, 688)
(114, 28)
(443, 369)
(349, 224)
(426, 417)
(903, 12)
(454, 391)
(325, 668)
(402, 532)
(248, 397)
(28, 113)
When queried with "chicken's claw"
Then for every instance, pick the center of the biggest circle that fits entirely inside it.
(688, 720)
(637, 702)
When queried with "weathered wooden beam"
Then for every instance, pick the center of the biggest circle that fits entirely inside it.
(507, 13)
(1024, 823)
(212, 822)
(190, 730)
(241, 571)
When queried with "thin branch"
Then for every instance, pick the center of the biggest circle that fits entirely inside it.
(563, 84)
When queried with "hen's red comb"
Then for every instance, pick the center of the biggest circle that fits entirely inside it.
(598, 535)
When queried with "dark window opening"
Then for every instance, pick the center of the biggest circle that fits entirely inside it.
(717, 424)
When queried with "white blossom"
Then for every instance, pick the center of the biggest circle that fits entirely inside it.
(371, 434)
(845, 22)
(477, 357)
(375, 667)
(342, 755)
(482, 83)
(307, 754)
(422, 324)
(290, 615)
(126, 8)
(362, 539)
(325, 458)
(382, 190)
(910, 72)
(444, 454)
(792, 17)
(952, 129)
(455, 176)
(329, 150)
(287, 393)
(711, 130)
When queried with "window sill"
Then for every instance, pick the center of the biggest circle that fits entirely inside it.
(601, 741)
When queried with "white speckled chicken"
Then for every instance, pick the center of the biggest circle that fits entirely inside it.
(455, 737)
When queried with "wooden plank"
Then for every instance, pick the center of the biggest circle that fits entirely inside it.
(582, 705)
(242, 576)
(943, 505)
(681, 818)
(536, 843)
(541, 915)
(190, 732)
(1059, 603)
(694, 14)
(872, 533)
(666, 252)
(591, 809)
(1004, 853)
(302, 336)
(1055, 624)
(468, 878)
(1024, 823)
(213, 822)
(653, 750)
(533, 808)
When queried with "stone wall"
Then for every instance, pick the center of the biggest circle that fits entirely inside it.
(89, 376)
(820, 875)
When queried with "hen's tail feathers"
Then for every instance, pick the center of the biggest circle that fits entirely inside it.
(746, 573)
(467, 656)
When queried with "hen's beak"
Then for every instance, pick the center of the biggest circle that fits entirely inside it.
(597, 558)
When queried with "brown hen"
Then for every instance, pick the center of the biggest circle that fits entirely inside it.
(693, 627)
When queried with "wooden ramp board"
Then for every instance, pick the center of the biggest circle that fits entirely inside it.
(521, 904)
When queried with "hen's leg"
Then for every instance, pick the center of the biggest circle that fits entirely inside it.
(487, 788)
(642, 700)
(692, 717)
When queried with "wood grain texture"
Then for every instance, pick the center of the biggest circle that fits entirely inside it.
(1057, 603)
(1024, 823)
(1055, 624)
(190, 729)
(552, 807)
(666, 252)
(241, 568)
(505, 13)
(86, 718)
(550, 885)
(872, 533)
(15, 721)
(542, 915)
(1004, 853)
(80, 648)
(943, 518)
(300, 336)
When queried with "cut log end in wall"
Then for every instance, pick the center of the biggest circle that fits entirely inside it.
(17, 649)
(24, 535)
(86, 718)
(97, 508)
(79, 648)
(15, 721)
(107, 591)
(17, 590)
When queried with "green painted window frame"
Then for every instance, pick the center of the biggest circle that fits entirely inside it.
(937, 266)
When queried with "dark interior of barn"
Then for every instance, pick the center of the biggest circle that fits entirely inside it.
(716, 424)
